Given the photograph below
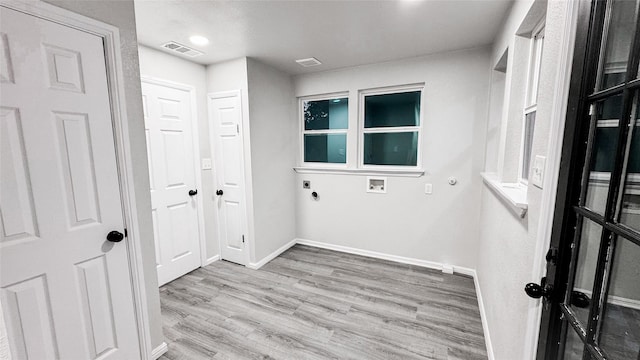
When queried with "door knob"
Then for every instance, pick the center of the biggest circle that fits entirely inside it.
(536, 291)
(193, 192)
(580, 299)
(219, 192)
(115, 236)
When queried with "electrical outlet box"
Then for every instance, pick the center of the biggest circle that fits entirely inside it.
(306, 184)
(206, 164)
(537, 171)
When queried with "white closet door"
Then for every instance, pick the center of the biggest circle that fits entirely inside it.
(172, 170)
(66, 291)
(226, 136)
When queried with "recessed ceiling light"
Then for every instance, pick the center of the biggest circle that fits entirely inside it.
(199, 40)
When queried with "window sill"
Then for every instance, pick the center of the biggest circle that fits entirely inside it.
(514, 194)
(369, 172)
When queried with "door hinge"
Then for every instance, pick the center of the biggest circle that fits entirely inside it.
(243, 239)
(126, 234)
(238, 128)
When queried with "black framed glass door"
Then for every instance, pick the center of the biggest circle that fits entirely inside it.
(592, 289)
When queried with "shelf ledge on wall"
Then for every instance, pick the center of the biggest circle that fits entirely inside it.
(514, 194)
(366, 172)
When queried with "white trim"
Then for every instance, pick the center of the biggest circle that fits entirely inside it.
(418, 262)
(302, 131)
(273, 255)
(159, 351)
(111, 41)
(368, 171)
(550, 184)
(483, 317)
(515, 194)
(195, 131)
(211, 260)
(247, 194)
(361, 130)
(374, 254)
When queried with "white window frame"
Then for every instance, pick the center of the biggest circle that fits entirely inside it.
(536, 47)
(362, 130)
(303, 132)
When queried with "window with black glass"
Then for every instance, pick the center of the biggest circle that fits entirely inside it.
(391, 127)
(324, 136)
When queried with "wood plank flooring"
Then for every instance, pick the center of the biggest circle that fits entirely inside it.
(312, 303)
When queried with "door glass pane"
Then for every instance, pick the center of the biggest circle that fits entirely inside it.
(400, 109)
(579, 299)
(603, 153)
(399, 148)
(325, 148)
(326, 114)
(573, 346)
(620, 331)
(617, 44)
(630, 214)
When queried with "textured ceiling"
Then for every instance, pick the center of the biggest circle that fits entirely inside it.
(338, 33)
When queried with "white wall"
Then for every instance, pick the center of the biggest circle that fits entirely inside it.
(405, 222)
(273, 155)
(508, 243)
(159, 65)
(121, 14)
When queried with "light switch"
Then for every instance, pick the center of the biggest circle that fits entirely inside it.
(206, 164)
(428, 188)
(537, 172)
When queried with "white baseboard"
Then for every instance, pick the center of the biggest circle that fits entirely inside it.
(211, 260)
(373, 254)
(273, 255)
(159, 351)
(483, 317)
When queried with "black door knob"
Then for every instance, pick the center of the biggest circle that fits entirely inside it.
(536, 291)
(193, 192)
(115, 236)
(219, 192)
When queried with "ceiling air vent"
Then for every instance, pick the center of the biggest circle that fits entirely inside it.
(179, 48)
(309, 62)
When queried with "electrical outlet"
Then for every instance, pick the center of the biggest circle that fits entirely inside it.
(428, 189)
(206, 164)
(306, 184)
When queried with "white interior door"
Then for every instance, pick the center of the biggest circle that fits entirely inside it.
(226, 135)
(168, 124)
(66, 291)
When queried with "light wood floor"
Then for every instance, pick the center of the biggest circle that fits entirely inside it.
(311, 303)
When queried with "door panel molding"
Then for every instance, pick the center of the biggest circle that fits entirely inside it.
(111, 41)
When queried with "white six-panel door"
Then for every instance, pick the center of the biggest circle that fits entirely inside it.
(66, 292)
(168, 123)
(225, 114)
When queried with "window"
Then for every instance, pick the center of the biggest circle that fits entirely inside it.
(531, 100)
(390, 127)
(324, 135)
